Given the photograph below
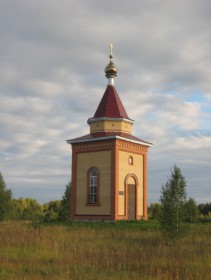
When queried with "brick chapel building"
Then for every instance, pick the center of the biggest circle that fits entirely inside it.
(109, 165)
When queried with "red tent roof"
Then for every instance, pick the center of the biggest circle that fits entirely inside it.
(110, 105)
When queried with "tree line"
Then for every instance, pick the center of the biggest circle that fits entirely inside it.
(30, 209)
(173, 202)
(195, 212)
(173, 210)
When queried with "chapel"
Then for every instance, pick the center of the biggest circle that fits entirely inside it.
(109, 165)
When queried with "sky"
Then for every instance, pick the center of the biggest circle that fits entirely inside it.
(52, 59)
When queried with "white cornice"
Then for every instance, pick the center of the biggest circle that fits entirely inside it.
(109, 138)
(90, 120)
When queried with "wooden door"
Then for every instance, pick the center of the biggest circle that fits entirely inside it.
(131, 202)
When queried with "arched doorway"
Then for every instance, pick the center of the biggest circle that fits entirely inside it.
(131, 184)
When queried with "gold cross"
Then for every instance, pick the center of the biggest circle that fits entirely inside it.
(111, 47)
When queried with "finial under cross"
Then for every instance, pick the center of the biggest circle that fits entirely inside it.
(111, 48)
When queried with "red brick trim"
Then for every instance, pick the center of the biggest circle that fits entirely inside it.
(94, 146)
(113, 181)
(131, 147)
(73, 191)
(114, 146)
(116, 181)
(94, 218)
(145, 183)
(133, 176)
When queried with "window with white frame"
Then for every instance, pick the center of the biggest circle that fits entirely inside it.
(93, 185)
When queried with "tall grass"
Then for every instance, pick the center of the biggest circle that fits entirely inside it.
(102, 251)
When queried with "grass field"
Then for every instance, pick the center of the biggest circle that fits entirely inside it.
(123, 250)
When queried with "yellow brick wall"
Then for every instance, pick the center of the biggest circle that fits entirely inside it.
(131, 181)
(111, 126)
(101, 160)
(124, 170)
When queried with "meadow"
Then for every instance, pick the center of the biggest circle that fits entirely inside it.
(122, 250)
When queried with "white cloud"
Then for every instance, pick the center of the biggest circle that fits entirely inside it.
(51, 80)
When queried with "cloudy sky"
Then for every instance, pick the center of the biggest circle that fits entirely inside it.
(52, 59)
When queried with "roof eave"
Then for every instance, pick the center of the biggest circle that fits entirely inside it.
(90, 120)
(109, 138)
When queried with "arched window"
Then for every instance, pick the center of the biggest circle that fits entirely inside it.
(130, 160)
(93, 186)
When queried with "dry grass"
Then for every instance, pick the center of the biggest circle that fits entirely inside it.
(101, 251)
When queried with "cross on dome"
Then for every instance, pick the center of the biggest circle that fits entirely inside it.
(111, 70)
(111, 48)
